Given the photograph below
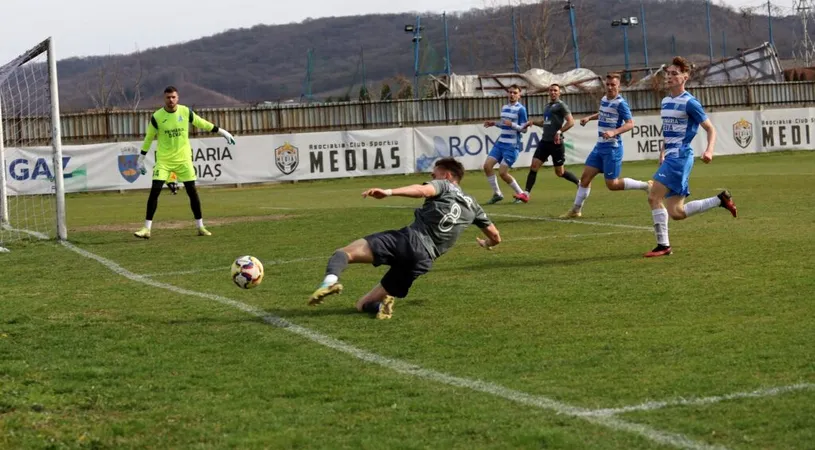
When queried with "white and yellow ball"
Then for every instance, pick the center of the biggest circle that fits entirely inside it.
(247, 272)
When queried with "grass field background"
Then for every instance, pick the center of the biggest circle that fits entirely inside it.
(567, 311)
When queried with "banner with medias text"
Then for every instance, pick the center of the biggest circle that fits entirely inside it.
(337, 154)
(253, 159)
(785, 129)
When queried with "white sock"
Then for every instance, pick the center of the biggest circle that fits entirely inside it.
(148, 224)
(630, 183)
(494, 184)
(661, 226)
(199, 223)
(582, 195)
(699, 206)
(330, 279)
(515, 186)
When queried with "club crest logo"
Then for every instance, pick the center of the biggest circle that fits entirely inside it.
(743, 133)
(129, 164)
(286, 158)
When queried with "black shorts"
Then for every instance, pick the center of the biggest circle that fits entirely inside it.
(405, 253)
(547, 149)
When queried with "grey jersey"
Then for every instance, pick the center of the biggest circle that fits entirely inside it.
(553, 117)
(442, 218)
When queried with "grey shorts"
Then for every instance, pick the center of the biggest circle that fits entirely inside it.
(407, 257)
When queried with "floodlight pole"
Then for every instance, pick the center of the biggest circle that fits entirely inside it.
(625, 42)
(624, 23)
(709, 33)
(644, 35)
(416, 38)
(770, 21)
(514, 43)
(570, 7)
(447, 66)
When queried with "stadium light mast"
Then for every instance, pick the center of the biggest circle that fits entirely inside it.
(570, 6)
(416, 30)
(644, 34)
(624, 23)
(709, 33)
(770, 21)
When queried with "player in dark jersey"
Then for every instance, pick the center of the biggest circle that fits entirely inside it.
(557, 119)
(410, 251)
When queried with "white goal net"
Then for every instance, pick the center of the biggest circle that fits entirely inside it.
(32, 198)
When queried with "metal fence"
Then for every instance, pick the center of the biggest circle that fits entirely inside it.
(110, 126)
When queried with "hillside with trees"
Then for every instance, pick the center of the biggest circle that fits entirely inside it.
(268, 63)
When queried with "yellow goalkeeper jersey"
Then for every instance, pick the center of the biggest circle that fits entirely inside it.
(172, 130)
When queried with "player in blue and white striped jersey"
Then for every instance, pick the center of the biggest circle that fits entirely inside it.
(614, 119)
(682, 115)
(506, 149)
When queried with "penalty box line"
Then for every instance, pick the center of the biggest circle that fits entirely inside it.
(406, 368)
(547, 219)
(653, 405)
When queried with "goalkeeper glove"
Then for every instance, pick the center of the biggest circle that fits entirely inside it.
(142, 169)
(225, 134)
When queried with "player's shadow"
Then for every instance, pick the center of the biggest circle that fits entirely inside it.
(515, 262)
(350, 310)
(317, 311)
(207, 321)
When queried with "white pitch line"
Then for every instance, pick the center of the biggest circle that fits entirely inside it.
(265, 263)
(649, 406)
(318, 258)
(548, 219)
(406, 368)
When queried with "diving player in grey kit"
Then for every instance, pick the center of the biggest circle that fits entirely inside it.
(410, 251)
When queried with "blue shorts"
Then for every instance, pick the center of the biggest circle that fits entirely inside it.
(505, 153)
(608, 160)
(674, 173)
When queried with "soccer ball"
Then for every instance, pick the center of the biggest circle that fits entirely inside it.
(247, 272)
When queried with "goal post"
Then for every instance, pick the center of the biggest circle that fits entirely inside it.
(32, 189)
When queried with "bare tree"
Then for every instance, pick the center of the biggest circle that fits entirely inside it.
(101, 86)
(113, 84)
(405, 88)
(542, 33)
(130, 91)
(747, 14)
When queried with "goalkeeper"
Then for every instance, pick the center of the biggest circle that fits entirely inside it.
(171, 125)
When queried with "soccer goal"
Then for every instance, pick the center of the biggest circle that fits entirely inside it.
(32, 192)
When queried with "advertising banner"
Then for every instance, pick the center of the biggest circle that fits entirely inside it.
(340, 154)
